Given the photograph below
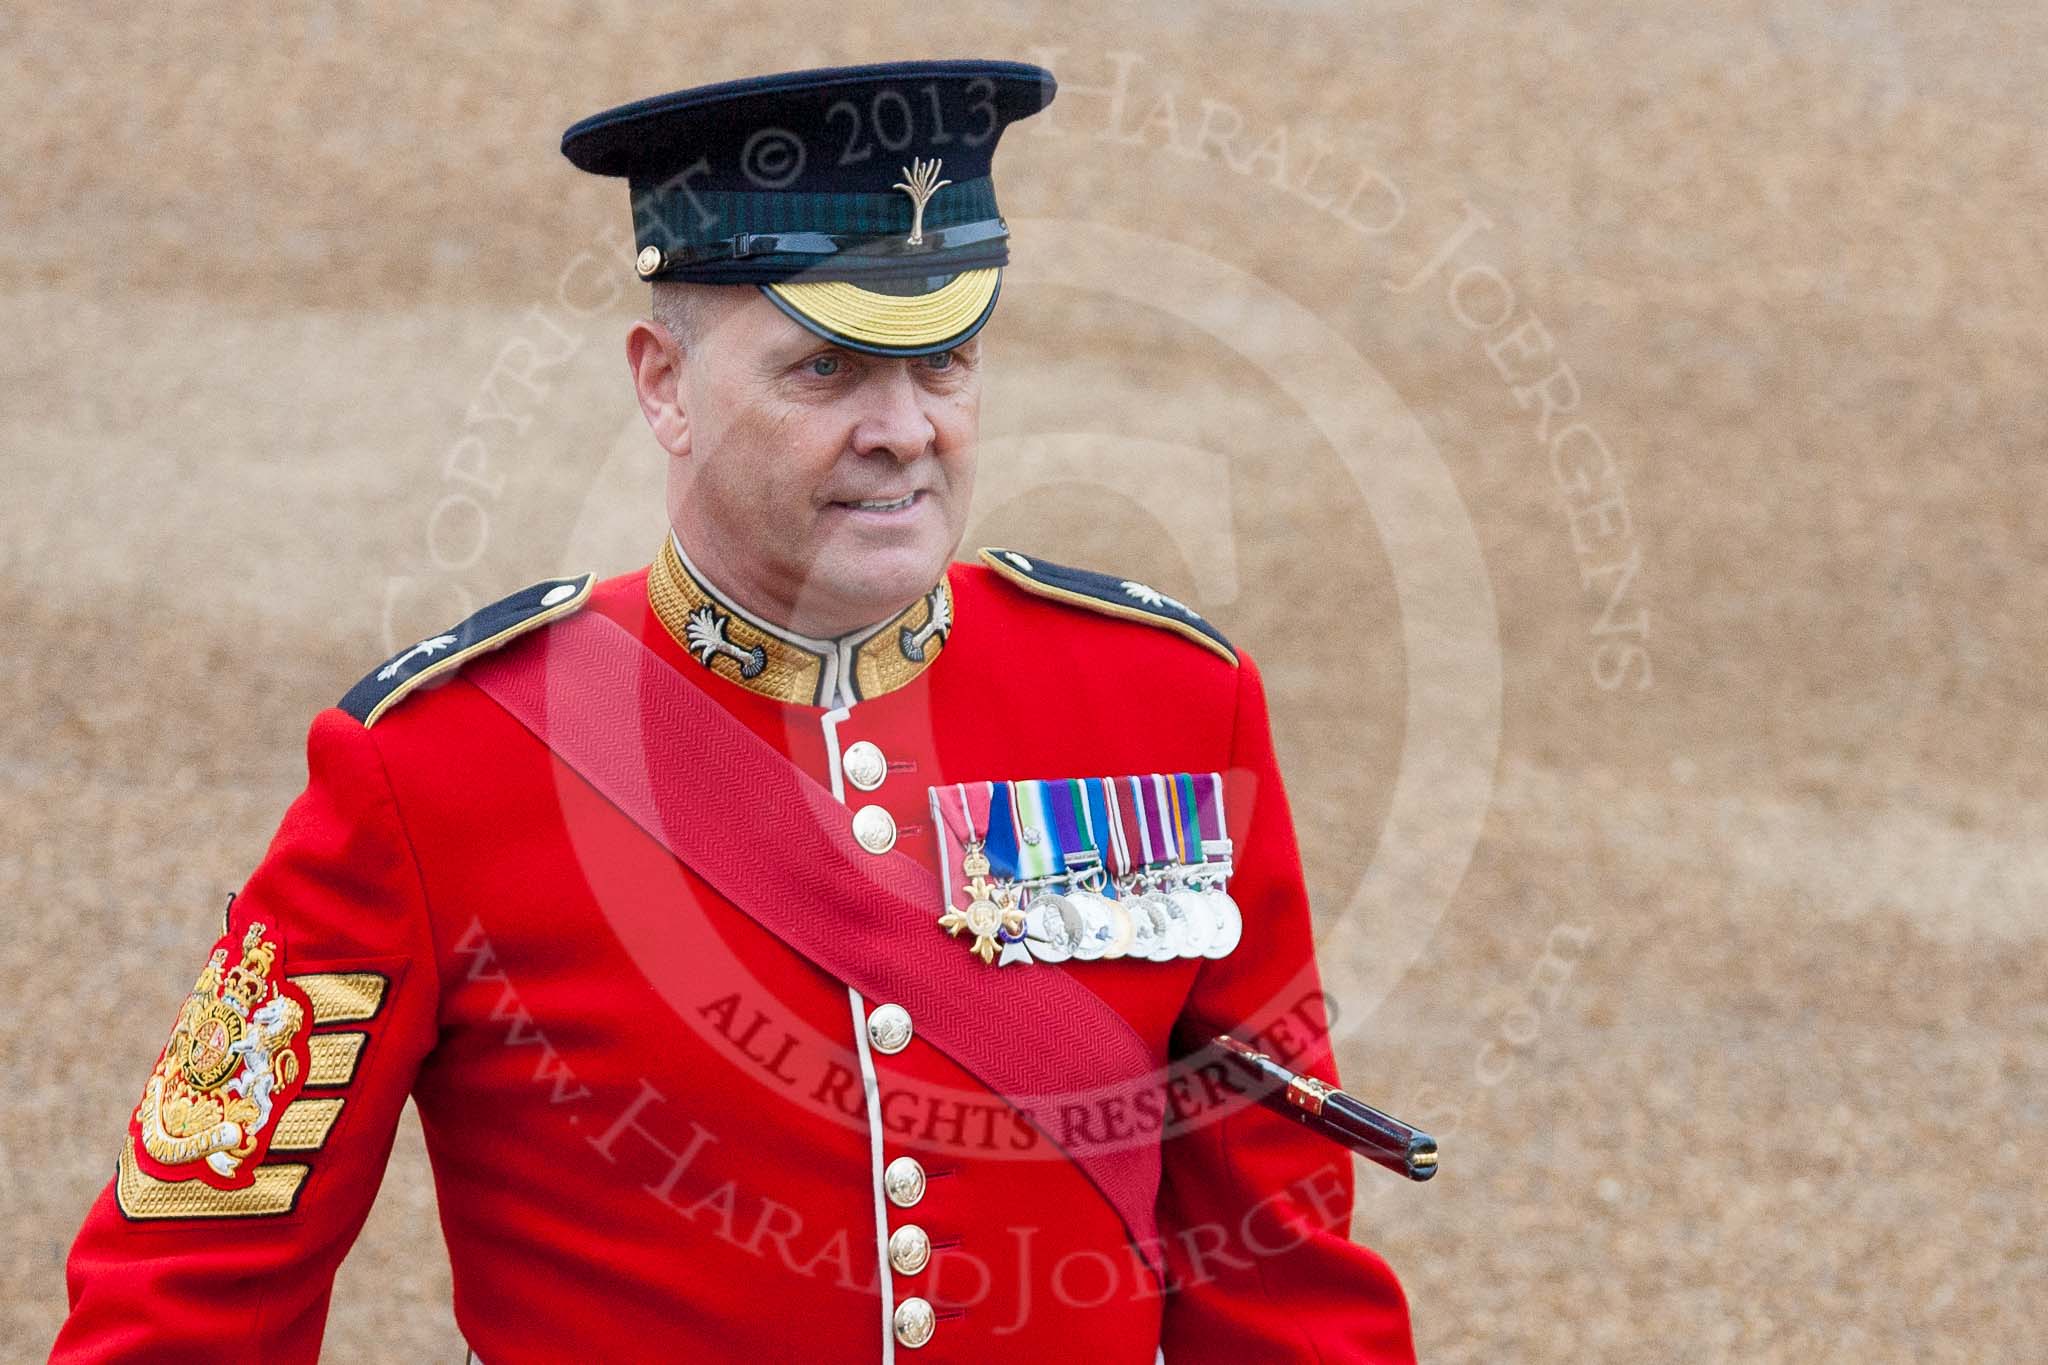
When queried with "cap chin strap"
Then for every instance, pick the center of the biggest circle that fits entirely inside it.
(864, 245)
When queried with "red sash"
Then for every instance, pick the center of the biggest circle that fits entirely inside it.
(776, 844)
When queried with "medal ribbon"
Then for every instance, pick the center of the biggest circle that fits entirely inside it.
(1120, 831)
(1104, 834)
(1186, 820)
(963, 809)
(1130, 818)
(1169, 843)
(1209, 804)
(1070, 824)
(1209, 811)
(1001, 847)
(1040, 857)
(1153, 840)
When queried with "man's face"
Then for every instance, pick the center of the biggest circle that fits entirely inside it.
(823, 487)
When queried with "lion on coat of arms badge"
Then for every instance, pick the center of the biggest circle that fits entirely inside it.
(237, 1056)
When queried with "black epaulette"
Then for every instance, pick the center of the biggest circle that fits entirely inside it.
(439, 655)
(1106, 593)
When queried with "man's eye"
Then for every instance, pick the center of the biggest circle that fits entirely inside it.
(940, 360)
(824, 366)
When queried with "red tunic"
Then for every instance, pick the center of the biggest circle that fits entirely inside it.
(650, 1121)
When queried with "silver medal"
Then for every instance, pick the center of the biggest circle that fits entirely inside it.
(1166, 938)
(1095, 932)
(1051, 927)
(1116, 923)
(1229, 926)
(1201, 919)
(1144, 933)
(1187, 932)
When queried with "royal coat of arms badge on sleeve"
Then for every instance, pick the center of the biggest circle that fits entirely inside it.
(237, 1056)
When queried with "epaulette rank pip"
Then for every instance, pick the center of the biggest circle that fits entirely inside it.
(1108, 594)
(439, 655)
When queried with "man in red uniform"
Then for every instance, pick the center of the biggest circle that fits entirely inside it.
(665, 1119)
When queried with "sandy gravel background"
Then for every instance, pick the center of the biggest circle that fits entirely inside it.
(1723, 985)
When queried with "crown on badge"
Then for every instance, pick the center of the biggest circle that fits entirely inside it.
(248, 981)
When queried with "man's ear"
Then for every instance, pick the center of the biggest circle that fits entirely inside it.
(657, 365)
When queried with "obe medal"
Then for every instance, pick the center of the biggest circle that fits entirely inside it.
(990, 909)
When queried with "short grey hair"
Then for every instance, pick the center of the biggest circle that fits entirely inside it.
(688, 310)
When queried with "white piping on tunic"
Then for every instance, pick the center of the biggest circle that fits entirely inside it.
(945, 860)
(870, 1086)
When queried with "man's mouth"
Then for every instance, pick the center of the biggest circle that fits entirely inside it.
(883, 504)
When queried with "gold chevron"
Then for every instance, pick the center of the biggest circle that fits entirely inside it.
(303, 1125)
(342, 997)
(143, 1197)
(334, 1058)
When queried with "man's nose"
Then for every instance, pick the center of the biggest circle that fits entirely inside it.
(895, 425)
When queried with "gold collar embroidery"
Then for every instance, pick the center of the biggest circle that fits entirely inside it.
(761, 657)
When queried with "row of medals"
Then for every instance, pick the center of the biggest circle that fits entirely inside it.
(1156, 916)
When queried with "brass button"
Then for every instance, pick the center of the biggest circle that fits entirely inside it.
(914, 1322)
(903, 1181)
(889, 1029)
(909, 1249)
(864, 765)
(875, 829)
(650, 262)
